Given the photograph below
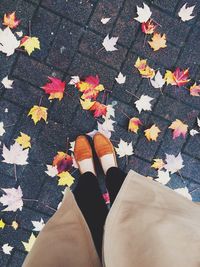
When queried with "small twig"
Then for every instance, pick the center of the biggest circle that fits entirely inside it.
(123, 113)
(67, 145)
(9, 125)
(30, 199)
(99, 50)
(50, 207)
(157, 23)
(132, 94)
(145, 38)
(40, 100)
(29, 28)
(15, 171)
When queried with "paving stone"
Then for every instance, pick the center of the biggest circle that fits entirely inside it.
(83, 67)
(172, 109)
(192, 147)
(76, 10)
(4, 259)
(92, 43)
(191, 169)
(17, 259)
(6, 65)
(33, 71)
(105, 9)
(168, 5)
(44, 26)
(138, 165)
(65, 45)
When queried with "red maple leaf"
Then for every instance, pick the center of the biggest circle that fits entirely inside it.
(181, 77)
(99, 109)
(93, 80)
(148, 27)
(63, 162)
(56, 86)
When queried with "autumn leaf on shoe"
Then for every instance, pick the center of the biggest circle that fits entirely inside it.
(38, 113)
(144, 69)
(7, 83)
(152, 133)
(10, 20)
(178, 77)
(16, 154)
(134, 124)
(12, 199)
(8, 42)
(65, 179)
(62, 161)
(6, 248)
(158, 41)
(144, 13)
(158, 164)
(195, 90)
(30, 44)
(110, 43)
(99, 109)
(124, 149)
(55, 88)
(28, 245)
(143, 103)
(158, 80)
(24, 140)
(173, 163)
(148, 27)
(185, 12)
(179, 128)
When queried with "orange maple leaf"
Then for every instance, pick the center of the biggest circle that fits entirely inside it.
(148, 27)
(179, 128)
(10, 20)
(181, 76)
(55, 88)
(152, 133)
(158, 41)
(63, 162)
(195, 90)
(98, 109)
(134, 124)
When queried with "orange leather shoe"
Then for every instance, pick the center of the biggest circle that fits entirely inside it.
(83, 155)
(105, 151)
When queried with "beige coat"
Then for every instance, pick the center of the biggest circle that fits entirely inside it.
(149, 225)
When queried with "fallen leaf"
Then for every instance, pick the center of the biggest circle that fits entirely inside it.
(55, 88)
(185, 12)
(144, 13)
(158, 164)
(110, 112)
(121, 79)
(38, 113)
(65, 179)
(169, 77)
(62, 161)
(179, 128)
(143, 103)
(2, 224)
(148, 27)
(105, 20)
(30, 44)
(158, 80)
(193, 132)
(178, 77)
(158, 41)
(102, 129)
(110, 43)
(144, 69)
(8, 42)
(173, 163)
(86, 104)
(7, 83)
(74, 80)
(38, 225)
(106, 198)
(124, 149)
(51, 170)
(7, 249)
(15, 225)
(12, 199)
(152, 133)
(134, 124)
(184, 192)
(108, 124)
(163, 177)
(10, 20)
(2, 130)
(28, 245)
(16, 154)
(98, 109)
(24, 140)
(195, 90)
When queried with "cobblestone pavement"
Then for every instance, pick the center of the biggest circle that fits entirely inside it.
(71, 33)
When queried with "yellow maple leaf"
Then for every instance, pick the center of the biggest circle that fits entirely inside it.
(15, 225)
(140, 63)
(58, 95)
(24, 140)
(30, 44)
(179, 128)
(28, 245)
(158, 164)
(2, 224)
(144, 69)
(86, 104)
(38, 113)
(158, 41)
(152, 133)
(169, 78)
(134, 124)
(65, 179)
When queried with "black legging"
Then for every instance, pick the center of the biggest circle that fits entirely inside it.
(90, 201)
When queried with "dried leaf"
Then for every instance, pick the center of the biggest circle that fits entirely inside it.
(65, 179)
(158, 41)
(178, 77)
(30, 44)
(63, 162)
(173, 164)
(10, 20)
(38, 113)
(51, 170)
(6, 248)
(86, 104)
(24, 140)
(28, 245)
(144, 69)
(163, 177)
(110, 43)
(2, 224)
(152, 133)
(16, 155)
(98, 109)
(195, 90)
(8, 42)
(144, 103)
(124, 149)
(105, 20)
(179, 128)
(55, 88)
(185, 12)
(144, 13)
(158, 164)
(12, 199)
(158, 80)
(7, 83)
(148, 27)
(134, 124)
(38, 225)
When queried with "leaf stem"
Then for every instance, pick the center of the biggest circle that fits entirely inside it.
(132, 94)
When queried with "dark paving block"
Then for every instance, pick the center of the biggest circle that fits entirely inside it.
(193, 146)
(84, 121)
(4, 259)
(6, 65)
(91, 45)
(33, 71)
(182, 94)
(17, 259)
(190, 3)
(105, 9)
(147, 149)
(65, 45)
(126, 27)
(124, 134)
(189, 58)
(83, 67)
(76, 10)
(133, 79)
(172, 109)
(44, 26)
(194, 189)
(191, 169)
(168, 5)
(138, 165)
(25, 95)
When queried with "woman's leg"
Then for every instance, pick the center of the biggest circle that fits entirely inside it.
(91, 203)
(114, 180)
